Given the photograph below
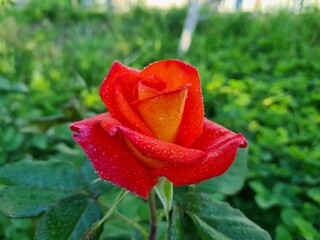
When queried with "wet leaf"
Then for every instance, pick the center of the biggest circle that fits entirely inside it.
(205, 231)
(30, 187)
(180, 226)
(212, 219)
(92, 180)
(68, 219)
(26, 202)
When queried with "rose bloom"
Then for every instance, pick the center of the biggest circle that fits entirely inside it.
(155, 127)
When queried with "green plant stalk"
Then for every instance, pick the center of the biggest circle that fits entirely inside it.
(132, 223)
(129, 221)
(91, 232)
(153, 215)
(164, 191)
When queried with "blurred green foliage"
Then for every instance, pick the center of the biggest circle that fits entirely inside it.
(260, 76)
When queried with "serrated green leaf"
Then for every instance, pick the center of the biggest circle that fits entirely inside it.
(212, 216)
(92, 180)
(180, 227)
(26, 202)
(205, 231)
(68, 219)
(230, 182)
(30, 187)
(55, 175)
(164, 190)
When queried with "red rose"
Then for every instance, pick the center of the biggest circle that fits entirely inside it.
(155, 127)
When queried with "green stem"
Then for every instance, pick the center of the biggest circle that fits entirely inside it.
(153, 215)
(132, 223)
(129, 221)
(91, 232)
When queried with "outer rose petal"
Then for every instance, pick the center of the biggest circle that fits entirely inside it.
(110, 157)
(115, 90)
(162, 151)
(177, 73)
(106, 88)
(221, 146)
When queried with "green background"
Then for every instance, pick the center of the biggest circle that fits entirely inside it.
(260, 76)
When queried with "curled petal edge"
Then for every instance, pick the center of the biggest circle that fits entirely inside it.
(221, 146)
(110, 157)
(154, 148)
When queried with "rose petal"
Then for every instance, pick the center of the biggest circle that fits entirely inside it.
(155, 82)
(130, 117)
(145, 161)
(162, 151)
(215, 136)
(145, 92)
(110, 156)
(221, 146)
(107, 86)
(177, 73)
(163, 113)
(116, 91)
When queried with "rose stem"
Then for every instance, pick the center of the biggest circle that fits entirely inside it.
(129, 221)
(153, 215)
(91, 232)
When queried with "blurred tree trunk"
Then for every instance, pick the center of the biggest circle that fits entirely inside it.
(190, 24)
(238, 5)
(301, 2)
(110, 5)
(192, 19)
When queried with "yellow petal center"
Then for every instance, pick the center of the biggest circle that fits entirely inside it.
(146, 161)
(163, 112)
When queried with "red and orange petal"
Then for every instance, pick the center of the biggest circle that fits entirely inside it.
(147, 162)
(107, 86)
(116, 91)
(110, 156)
(155, 82)
(162, 114)
(177, 73)
(161, 151)
(145, 92)
(125, 112)
(221, 146)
